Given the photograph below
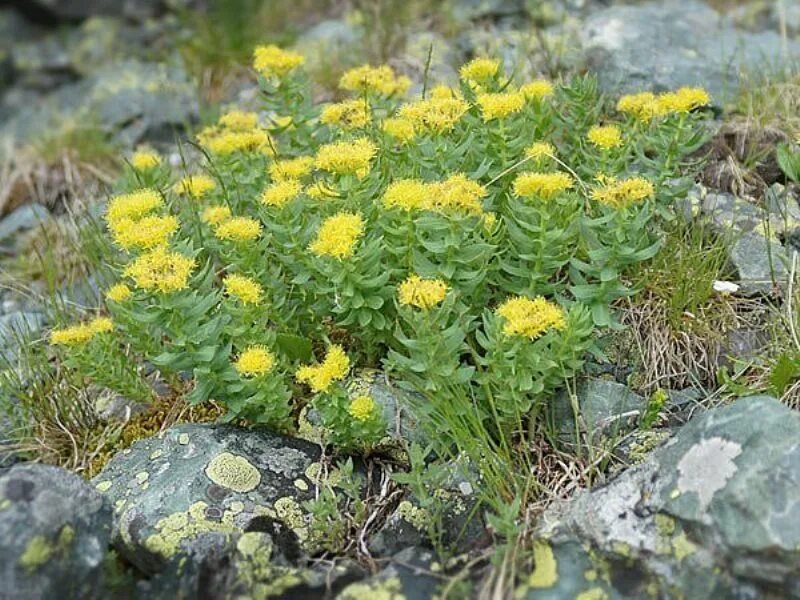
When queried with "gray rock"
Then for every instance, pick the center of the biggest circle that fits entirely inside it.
(24, 218)
(191, 491)
(55, 530)
(665, 45)
(762, 263)
(727, 213)
(407, 576)
(77, 10)
(333, 42)
(607, 408)
(17, 325)
(713, 513)
(414, 59)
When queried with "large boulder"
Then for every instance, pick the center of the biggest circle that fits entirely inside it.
(196, 488)
(55, 11)
(665, 45)
(713, 513)
(55, 531)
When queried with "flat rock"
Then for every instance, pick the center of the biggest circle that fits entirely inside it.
(762, 263)
(24, 218)
(55, 530)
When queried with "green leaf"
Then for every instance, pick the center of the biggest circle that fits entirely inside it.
(294, 347)
(783, 373)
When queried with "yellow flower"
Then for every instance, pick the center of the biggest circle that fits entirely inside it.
(605, 137)
(351, 157)
(499, 106)
(278, 194)
(333, 368)
(434, 115)
(361, 408)
(400, 129)
(540, 150)
(118, 293)
(291, 168)
(684, 100)
(337, 236)
(620, 193)
(195, 186)
(544, 185)
(381, 80)
(161, 270)
(489, 220)
(214, 215)
(144, 160)
(537, 89)
(147, 232)
(255, 361)
(245, 289)
(82, 333)
(422, 293)
(348, 114)
(238, 229)
(133, 206)
(319, 191)
(480, 69)
(457, 194)
(271, 61)
(530, 317)
(443, 92)
(408, 194)
(239, 120)
(643, 106)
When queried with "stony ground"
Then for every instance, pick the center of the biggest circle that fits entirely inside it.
(701, 503)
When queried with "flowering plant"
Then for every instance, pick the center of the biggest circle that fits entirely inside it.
(470, 238)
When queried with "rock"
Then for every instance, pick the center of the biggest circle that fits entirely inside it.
(54, 11)
(55, 530)
(414, 59)
(762, 263)
(607, 408)
(17, 325)
(191, 491)
(713, 513)
(728, 213)
(24, 218)
(664, 45)
(333, 43)
(471, 10)
(407, 577)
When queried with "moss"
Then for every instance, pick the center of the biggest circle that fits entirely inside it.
(645, 442)
(233, 472)
(417, 516)
(545, 572)
(387, 589)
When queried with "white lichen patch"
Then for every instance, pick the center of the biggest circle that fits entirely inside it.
(233, 472)
(706, 468)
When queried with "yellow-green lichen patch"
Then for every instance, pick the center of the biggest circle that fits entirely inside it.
(665, 527)
(288, 510)
(621, 548)
(156, 454)
(301, 485)
(545, 567)
(142, 477)
(590, 575)
(5, 503)
(417, 516)
(233, 472)
(103, 486)
(183, 439)
(255, 572)
(174, 529)
(595, 593)
(386, 589)
(37, 552)
(682, 547)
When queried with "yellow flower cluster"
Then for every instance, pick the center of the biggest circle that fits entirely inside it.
(381, 80)
(605, 137)
(620, 193)
(480, 70)
(361, 408)
(457, 194)
(645, 106)
(80, 334)
(352, 157)
(435, 115)
(161, 270)
(319, 190)
(400, 129)
(543, 185)
(537, 90)
(133, 206)
(238, 120)
(214, 215)
(349, 114)
(271, 61)
(118, 293)
(422, 293)
(238, 229)
(499, 106)
(195, 186)
(291, 168)
(337, 236)
(333, 368)
(144, 160)
(539, 151)
(244, 288)
(530, 317)
(147, 232)
(282, 192)
(255, 361)
(407, 194)
(225, 142)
